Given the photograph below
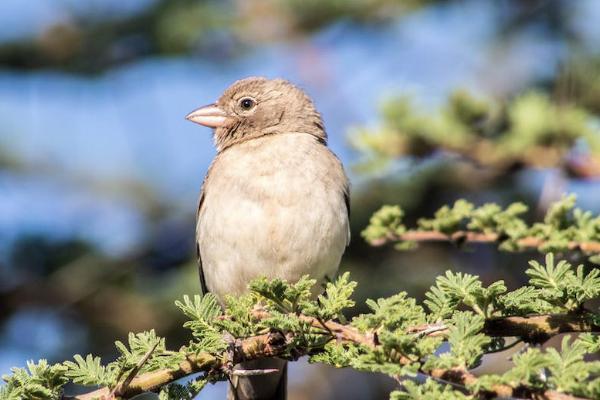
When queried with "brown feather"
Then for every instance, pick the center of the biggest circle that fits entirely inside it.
(275, 202)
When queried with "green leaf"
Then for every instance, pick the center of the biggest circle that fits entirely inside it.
(448, 220)
(203, 312)
(558, 213)
(528, 369)
(39, 381)
(549, 276)
(455, 288)
(387, 220)
(89, 371)
(430, 390)
(336, 298)
(396, 312)
(568, 370)
(286, 297)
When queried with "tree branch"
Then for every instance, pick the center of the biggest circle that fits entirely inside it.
(274, 344)
(478, 237)
(532, 329)
(262, 346)
(463, 377)
(484, 153)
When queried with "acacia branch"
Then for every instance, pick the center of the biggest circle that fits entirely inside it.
(586, 166)
(261, 346)
(275, 344)
(539, 328)
(478, 237)
(532, 329)
(464, 378)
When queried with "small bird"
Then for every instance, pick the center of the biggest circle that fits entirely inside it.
(274, 203)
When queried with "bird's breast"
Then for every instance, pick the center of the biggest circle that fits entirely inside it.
(274, 208)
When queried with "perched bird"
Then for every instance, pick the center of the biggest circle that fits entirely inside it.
(274, 203)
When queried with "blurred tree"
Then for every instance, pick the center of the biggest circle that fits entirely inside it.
(87, 44)
(528, 131)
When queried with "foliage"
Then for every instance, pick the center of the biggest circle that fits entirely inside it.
(202, 312)
(564, 227)
(86, 41)
(529, 130)
(89, 371)
(430, 390)
(398, 337)
(38, 381)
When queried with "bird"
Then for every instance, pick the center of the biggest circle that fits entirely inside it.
(274, 202)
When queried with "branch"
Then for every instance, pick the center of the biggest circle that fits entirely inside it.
(262, 346)
(500, 137)
(532, 329)
(564, 227)
(275, 344)
(539, 328)
(463, 377)
(485, 153)
(478, 237)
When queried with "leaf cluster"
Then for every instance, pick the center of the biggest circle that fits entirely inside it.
(564, 227)
(530, 129)
(36, 382)
(552, 288)
(561, 370)
(399, 337)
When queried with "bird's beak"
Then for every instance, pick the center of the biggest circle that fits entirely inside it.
(211, 116)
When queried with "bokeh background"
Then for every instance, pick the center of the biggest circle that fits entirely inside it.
(100, 173)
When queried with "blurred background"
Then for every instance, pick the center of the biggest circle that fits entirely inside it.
(100, 173)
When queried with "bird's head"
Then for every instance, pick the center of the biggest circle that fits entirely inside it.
(255, 107)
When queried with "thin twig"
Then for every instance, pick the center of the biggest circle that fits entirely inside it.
(431, 329)
(136, 369)
(254, 372)
(504, 348)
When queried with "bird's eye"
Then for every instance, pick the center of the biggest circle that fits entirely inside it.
(246, 103)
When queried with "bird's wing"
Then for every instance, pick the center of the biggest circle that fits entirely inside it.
(198, 213)
(347, 201)
(198, 255)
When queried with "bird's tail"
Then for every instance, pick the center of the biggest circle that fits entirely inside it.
(260, 387)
